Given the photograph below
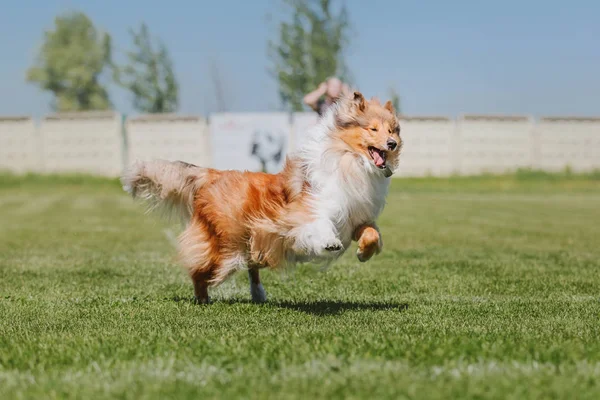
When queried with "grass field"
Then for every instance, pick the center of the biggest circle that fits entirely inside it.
(487, 288)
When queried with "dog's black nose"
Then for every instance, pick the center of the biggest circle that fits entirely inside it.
(391, 144)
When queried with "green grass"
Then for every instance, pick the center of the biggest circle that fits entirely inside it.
(488, 287)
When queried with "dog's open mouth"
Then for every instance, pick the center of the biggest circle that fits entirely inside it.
(378, 157)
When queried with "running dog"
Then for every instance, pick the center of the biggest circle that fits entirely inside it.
(329, 193)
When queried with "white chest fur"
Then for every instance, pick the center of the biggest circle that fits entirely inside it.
(349, 204)
(346, 192)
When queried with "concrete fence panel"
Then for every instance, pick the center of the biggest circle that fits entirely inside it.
(169, 137)
(19, 145)
(83, 142)
(94, 142)
(427, 146)
(494, 144)
(568, 142)
(250, 141)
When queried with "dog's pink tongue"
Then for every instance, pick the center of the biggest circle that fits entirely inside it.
(379, 161)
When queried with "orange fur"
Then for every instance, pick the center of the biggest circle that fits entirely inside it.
(241, 213)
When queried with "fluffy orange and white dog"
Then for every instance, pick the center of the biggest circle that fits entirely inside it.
(330, 192)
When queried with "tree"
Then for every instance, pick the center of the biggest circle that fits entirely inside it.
(309, 49)
(395, 99)
(219, 88)
(70, 63)
(149, 75)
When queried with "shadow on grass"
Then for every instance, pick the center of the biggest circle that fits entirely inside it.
(319, 307)
(334, 307)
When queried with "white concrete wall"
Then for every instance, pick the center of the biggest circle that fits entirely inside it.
(494, 144)
(19, 145)
(428, 144)
(93, 142)
(568, 142)
(90, 142)
(234, 136)
(169, 137)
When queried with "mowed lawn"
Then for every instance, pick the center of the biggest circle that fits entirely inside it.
(487, 288)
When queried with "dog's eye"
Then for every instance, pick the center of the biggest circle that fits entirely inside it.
(374, 129)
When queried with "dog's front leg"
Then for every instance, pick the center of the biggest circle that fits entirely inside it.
(369, 241)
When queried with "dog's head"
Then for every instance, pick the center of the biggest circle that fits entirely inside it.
(371, 130)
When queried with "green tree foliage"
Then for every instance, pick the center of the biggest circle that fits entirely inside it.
(149, 75)
(309, 49)
(70, 63)
(395, 99)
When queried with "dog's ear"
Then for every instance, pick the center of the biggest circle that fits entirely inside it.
(360, 101)
(390, 107)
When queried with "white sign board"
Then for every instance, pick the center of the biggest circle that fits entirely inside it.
(302, 123)
(249, 141)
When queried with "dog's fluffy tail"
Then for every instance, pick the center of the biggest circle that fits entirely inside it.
(169, 186)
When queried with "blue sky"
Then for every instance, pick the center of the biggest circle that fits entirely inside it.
(445, 57)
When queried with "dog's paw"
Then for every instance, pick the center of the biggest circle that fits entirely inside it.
(202, 300)
(364, 256)
(334, 246)
(370, 243)
(365, 253)
(258, 293)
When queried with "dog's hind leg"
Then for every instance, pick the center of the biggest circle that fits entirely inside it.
(200, 280)
(257, 291)
(195, 253)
